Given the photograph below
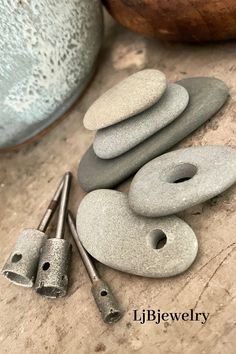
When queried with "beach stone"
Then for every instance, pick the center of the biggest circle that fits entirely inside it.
(181, 179)
(207, 96)
(114, 235)
(115, 140)
(48, 55)
(129, 97)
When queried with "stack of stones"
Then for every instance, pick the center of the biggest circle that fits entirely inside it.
(136, 121)
(141, 118)
(132, 111)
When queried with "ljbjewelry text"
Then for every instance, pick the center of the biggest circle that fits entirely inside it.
(157, 316)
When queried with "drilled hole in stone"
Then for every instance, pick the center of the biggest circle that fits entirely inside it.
(46, 266)
(184, 179)
(182, 173)
(16, 257)
(103, 293)
(157, 239)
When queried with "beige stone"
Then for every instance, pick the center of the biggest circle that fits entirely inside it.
(127, 98)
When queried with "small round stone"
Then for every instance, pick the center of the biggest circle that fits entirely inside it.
(119, 138)
(181, 179)
(113, 234)
(129, 97)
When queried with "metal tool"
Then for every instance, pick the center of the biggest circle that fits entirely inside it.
(21, 266)
(105, 300)
(52, 276)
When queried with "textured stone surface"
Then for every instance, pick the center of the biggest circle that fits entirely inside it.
(113, 234)
(119, 138)
(129, 97)
(48, 51)
(207, 95)
(181, 179)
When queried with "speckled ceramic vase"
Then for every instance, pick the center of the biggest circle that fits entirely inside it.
(48, 53)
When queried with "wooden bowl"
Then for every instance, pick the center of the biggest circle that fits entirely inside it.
(177, 20)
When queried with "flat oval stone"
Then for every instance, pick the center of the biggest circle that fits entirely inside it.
(207, 95)
(129, 97)
(113, 234)
(119, 138)
(181, 179)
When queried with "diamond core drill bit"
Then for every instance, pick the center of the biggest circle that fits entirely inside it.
(52, 276)
(105, 300)
(21, 266)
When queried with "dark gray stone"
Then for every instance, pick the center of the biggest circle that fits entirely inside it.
(181, 179)
(113, 234)
(207, 96)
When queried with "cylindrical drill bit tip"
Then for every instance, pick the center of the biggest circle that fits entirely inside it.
(105, 300)
(53, 269)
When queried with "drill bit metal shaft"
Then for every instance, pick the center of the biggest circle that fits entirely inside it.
(51, 208)
(63, 206)
(21, 266)
(52, 277)
(105, 300)
(91, 270)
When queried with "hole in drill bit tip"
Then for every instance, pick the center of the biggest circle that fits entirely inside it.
(113, 316)
(64, 278)
(18, 279)
(103, 293)
(51, 292)
(46, 266)
(16, 257)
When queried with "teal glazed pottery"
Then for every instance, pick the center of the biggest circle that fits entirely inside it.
(48, 54)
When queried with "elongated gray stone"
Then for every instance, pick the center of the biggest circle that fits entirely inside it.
(113, 234)
(119, 138)
(181, 179)
(129, 97)
(207, 95)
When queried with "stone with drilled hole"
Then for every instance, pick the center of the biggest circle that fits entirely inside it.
(129, 97)
(207, 95)
(181, 179)
(113, 234)
(119, 138)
